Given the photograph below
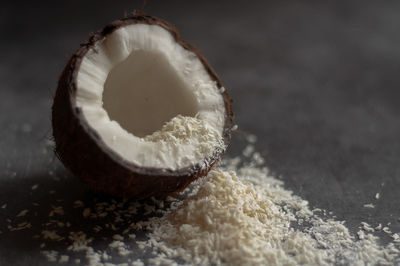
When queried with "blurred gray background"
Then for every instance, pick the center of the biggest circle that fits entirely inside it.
(316, 81)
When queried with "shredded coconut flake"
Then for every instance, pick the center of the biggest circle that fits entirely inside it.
(369, 205)
(63, 259)
(184, 133)
(22, 213)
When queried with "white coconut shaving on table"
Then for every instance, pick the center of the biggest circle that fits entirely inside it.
(233, 222)
(237, 215)
(247, 221)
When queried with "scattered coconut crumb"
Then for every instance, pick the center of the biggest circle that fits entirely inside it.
(56, 210)
(4, 206)
(369, 205)
(35, 187)
(20, 226)
(63, 259)
(51, 235)
(51, 255)
(78, 204)
(377, 196)
(366, 227)
(251, 138)
(97, 228)
(120, 246)
(248, 151)
(22, 213)
(386, 230)
(118, 237)
(86, 212)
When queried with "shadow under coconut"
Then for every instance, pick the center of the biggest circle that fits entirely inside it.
(47, 211)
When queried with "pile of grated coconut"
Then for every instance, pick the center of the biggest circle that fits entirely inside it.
(183, 134)
(237, 215)
(182, 141)
(242, 216)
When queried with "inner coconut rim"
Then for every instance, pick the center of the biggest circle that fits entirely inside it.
(149, 99)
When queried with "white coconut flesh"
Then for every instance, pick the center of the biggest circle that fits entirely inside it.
(150, 100)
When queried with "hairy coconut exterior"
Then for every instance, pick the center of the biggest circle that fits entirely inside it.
(84, 153)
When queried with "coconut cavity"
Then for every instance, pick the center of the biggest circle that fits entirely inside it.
(150, 100)
(144, 92)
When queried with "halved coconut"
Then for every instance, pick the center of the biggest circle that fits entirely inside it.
(139, 112)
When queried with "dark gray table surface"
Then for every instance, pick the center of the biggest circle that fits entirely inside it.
(317, 81)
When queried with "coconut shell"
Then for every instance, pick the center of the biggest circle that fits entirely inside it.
(84, 153)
